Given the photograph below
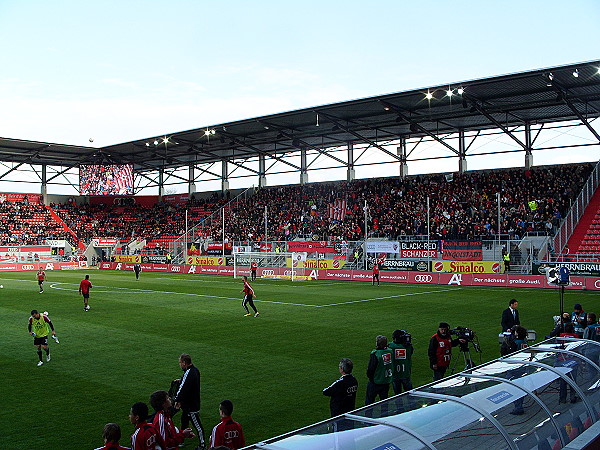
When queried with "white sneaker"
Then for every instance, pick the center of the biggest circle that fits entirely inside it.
(40, 363)
(47, 358)
(55, 339)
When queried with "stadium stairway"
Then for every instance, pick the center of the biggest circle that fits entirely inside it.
(584, 243)
(57, 219)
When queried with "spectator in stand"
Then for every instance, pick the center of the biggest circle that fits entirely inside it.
(112, 436)
(227, 432)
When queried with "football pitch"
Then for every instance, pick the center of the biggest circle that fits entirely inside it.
(272, 367)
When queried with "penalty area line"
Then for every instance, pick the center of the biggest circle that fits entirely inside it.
(389, 296)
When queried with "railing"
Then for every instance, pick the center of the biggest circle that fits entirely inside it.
(577, 209)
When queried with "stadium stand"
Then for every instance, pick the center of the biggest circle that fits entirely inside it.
(585, 241)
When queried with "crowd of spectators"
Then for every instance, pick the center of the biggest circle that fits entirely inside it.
(25, 223)
(463, 206)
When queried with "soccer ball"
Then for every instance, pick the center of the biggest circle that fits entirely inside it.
(87, 308)
(1, 287)
(45, 313)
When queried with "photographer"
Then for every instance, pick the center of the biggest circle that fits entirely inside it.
(579, 319)
(440, 350)
(402, 351)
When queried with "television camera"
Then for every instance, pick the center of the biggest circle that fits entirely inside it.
(470, 338)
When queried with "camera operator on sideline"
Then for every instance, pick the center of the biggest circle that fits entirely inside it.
(579, 319)
(440, 350)
(402, 351)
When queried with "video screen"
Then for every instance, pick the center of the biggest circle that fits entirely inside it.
(113, 179)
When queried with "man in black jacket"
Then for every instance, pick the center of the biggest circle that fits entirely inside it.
(510, 316)
(343, 390)
(188, 397)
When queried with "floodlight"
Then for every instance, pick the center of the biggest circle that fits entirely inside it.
(429, 96)
(147, 144)
(155, 142)
(576, 73)
(460, 91)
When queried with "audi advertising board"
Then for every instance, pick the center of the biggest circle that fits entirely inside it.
(444, 278)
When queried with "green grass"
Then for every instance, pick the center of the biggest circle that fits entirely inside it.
(273, 367)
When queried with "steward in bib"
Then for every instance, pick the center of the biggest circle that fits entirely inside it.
(379, 371)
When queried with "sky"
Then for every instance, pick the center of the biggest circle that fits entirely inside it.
(116, 71)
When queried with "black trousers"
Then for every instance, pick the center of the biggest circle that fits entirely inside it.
(248, 301)
(194, 418)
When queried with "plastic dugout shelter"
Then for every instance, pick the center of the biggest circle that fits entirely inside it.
(472, 409)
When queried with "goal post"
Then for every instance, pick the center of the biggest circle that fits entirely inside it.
(279, 265)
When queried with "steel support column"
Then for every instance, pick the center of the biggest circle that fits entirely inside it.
(528, 145)
(224, 176)
(350, 174)
(44, 191)
(303, 167)
(262, 171)
(402, 154)
(161, 183)
(191, 184)
(462, 152)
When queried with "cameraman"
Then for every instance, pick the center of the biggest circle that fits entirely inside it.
(579, 319)
(440, 350)
(402, 351)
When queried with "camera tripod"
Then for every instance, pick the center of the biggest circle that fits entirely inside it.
(465, 351)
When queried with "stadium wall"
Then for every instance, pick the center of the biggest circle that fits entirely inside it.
(443, 278)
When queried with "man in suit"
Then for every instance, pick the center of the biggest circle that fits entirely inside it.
(510, 316)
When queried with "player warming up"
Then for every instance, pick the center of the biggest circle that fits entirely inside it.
(84, 290)
(248, 298)
(137, 268)
(39, 327)
(41, 276)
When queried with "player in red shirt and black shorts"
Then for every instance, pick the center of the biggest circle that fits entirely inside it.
(41, 276)
(248, 294)
(84, 290)
(375, 273)
(253, 268)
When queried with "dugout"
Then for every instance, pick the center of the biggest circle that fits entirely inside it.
(475, 408)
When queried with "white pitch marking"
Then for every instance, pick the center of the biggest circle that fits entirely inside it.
(390, 296)
(54, 286)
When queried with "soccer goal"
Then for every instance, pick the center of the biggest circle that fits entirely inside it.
(283, 265)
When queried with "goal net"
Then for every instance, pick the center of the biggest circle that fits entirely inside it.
(283, 265)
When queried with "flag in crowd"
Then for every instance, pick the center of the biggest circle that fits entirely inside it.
(337, 209)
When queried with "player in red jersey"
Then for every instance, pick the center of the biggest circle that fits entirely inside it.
(163, 422)
(375, 273)
(41, 276)
(145, 436)
(84, 290)
(112, 436)
(227, 432)
(248, 295)
(253, 269)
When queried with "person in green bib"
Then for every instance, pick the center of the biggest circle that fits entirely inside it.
(402, 351)
(379, 371)
(39, 327)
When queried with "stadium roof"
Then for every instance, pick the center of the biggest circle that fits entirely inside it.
(553, 94)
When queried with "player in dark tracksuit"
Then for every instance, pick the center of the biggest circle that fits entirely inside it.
(188, 396)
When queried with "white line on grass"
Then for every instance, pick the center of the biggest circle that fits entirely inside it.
(389, 296)
(189, 294)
